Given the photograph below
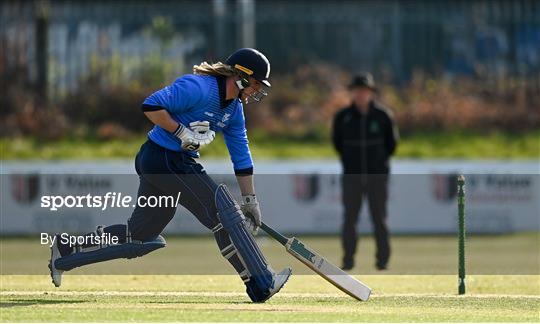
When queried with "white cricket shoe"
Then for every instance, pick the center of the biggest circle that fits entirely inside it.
(56, 275)
(279, 281)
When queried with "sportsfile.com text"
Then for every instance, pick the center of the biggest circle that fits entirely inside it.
(108, 200)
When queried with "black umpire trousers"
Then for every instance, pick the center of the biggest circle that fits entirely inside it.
(374, 187)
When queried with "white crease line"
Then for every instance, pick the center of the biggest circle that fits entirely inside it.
(238, 294)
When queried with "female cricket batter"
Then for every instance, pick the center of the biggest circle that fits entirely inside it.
(186, 115)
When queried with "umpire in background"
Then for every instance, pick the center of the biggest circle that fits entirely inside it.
(365, 136)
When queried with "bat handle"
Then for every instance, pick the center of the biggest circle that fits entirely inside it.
(276, 235)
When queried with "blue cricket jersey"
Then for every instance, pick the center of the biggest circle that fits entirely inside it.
(198, 98)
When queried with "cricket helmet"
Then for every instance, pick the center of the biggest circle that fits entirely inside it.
(252, 63)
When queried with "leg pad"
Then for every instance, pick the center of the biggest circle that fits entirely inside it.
(231, 217)
(127, 250)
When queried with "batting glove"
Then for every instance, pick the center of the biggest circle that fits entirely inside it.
(198, 135)
(250, 208)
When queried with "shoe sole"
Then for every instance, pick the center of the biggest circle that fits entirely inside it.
(50, 265)
(51, 271)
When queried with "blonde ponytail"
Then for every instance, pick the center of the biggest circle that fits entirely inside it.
(215, 69)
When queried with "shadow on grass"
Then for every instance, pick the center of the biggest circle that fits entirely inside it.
(31, 302)
(216, 301)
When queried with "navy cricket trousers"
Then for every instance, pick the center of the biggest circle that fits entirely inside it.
(163, 172)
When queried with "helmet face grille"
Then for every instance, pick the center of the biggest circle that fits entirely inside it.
(256, 96)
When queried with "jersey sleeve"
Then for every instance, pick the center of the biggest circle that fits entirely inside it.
(235, 135)
(186, 92)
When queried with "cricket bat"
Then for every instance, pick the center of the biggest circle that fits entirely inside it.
(321, 266)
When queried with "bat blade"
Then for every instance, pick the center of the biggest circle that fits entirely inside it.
(327, 270)
(320, 265)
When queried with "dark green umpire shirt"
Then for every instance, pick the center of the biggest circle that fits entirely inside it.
(365, 142)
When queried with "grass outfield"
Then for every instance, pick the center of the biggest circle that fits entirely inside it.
(190, 281)
(511, 254)
(433, 145)
(204, 298)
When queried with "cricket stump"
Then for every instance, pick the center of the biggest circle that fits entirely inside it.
(461, 233)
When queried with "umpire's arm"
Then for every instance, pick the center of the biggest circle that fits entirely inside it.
(391, 135)
(336, 133)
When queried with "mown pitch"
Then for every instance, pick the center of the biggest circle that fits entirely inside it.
(306, 298)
